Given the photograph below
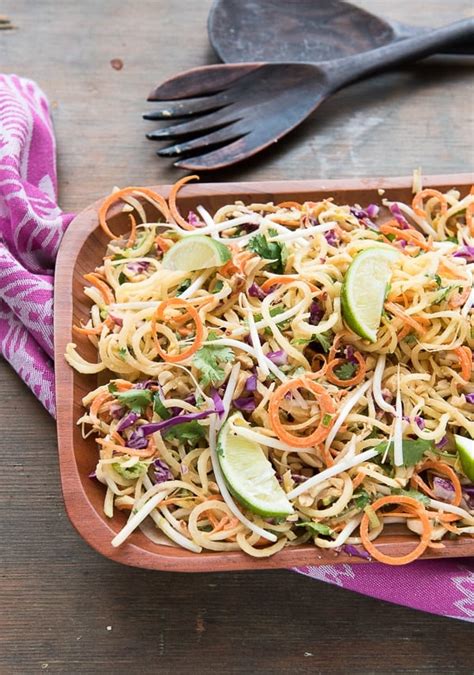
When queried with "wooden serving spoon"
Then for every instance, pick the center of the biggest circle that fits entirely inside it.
(249, 106)
(302, 30)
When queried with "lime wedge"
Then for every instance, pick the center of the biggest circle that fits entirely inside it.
(465, 448)
(364, 287)
(249, 474)
(196, 252)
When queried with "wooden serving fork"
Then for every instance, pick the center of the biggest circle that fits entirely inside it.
(234, 111)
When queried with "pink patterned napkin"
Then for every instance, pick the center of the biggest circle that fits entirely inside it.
(31, 225)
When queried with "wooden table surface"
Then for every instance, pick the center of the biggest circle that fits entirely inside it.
(64, 608)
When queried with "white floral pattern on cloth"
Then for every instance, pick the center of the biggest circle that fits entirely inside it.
(31, 227)
(443, 587)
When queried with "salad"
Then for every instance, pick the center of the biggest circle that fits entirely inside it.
(277, 374)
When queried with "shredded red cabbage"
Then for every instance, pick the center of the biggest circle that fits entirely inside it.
(127, 421)
(116, 410)
(256, 292)
(355, 551)
(161, 471)
(466, 252)
(194, 220)
(152, 427)
(419, 421)
(92, 474)
(138, 266)
(146, 384)
(442, 443)
(316, 313)
(470, 398)
(251, 384)
(245, 403)
(279, 358)
(137, 440)
(116, 319)
(443, 489)
(372, 210)
(331, 237)
(468, 494)
(399, 217)
(349, 354)
(218, 403)
(364, 215)
(358, 212)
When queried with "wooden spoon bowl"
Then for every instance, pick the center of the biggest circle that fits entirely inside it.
(302, 30)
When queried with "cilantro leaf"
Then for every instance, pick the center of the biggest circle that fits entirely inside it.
(301, 341)
(345, 371)
(183, 286)
(159, 408)
(324, 339)
(190, 432)
(122, 352)
(209, 359)
(274, 311)
(317, 528)
(112, 387)
(326, 421)
(218, 286)
(131, 471)
(410, 339)
(270, 250)
(123, 279)
(135, 399)
(362, 499)
(414, 494)
(413, 450)
(438, 280)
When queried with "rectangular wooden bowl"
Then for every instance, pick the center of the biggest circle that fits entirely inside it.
(82, 248)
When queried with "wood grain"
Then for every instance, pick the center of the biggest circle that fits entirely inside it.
(419, 116)
(57, 595)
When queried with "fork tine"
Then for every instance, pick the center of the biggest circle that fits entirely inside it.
(200, 81)
(221, 157)
(184, 107)
(227, 134)
(208, 122)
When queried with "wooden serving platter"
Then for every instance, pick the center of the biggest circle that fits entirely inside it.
(82, 248)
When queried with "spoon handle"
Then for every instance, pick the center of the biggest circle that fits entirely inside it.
(343, 71)
(402, 31)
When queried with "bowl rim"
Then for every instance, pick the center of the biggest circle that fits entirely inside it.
(82, 514)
